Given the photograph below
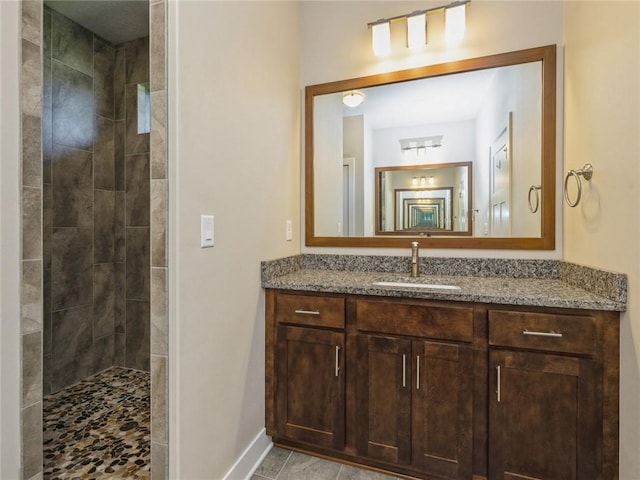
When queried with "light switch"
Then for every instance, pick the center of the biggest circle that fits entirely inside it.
(289, 234)
(206, 231)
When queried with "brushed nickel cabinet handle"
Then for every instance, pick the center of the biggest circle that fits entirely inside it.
(308, 312)
(418, 372)
(542, 334)
(498, 386)
(404, 370)
(337, 360)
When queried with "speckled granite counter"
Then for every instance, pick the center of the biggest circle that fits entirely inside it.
(547, 283)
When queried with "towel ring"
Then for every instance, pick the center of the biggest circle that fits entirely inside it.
(535, 189)
(586, 172)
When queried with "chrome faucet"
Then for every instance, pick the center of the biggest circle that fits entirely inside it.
(415, 259)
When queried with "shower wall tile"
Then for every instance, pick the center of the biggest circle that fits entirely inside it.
(118, 349)
(46, 375)
(103, 75)
(46, 33)
(137, 190)
(118, 156)
(103, 154)
(119, 226)
(46, 317)
(72, 352)
(31, 79)
(159, 318)
(104, 298)
(159, 209)
(71, 268)
(103, 353)
(157, 47)
(103, 226)
(73, 109)
(119, 300)
(47, 120)
(31, 296)
(32, 440)
(119, 82)
(72, 44)
(31, 368)
(31, 18)
(138, 336)
(137, 264)
(159, 459)
(47, 224)
(72, 188)
(137, 61)
(31, 223)
(158, 143)
(134, 142)
(159, 393)
(31, 151)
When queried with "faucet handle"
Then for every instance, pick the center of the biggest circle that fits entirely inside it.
(415, 244)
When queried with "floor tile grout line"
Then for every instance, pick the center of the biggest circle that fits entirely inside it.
(283, 465)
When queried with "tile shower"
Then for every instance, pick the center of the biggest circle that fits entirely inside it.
(95, 205)
(96, 210)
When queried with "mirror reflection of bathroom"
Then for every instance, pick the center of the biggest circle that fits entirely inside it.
(95, 144)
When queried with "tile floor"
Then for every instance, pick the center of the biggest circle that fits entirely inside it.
(281, 464)
(99, 428)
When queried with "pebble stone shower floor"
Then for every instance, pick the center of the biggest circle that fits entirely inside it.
(99, 428)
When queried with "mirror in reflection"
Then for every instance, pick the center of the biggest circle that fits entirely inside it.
(423, 200)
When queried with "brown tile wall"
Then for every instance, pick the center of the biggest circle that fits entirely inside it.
(95, 199)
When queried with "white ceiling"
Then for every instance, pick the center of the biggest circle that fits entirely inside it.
(114, 20)
(450, 98)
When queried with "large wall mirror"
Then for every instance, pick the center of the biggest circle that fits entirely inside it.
(455, 155)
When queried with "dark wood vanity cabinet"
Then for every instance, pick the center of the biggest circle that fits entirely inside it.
(310, 399)
(551, 410)
(444, 390)
(414, 395)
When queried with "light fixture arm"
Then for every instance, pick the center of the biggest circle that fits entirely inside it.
(418, 12)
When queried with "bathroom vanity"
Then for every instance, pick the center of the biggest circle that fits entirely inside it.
(499, 378)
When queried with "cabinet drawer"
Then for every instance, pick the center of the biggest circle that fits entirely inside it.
(448, 323)
(310, 310)
(541, 331)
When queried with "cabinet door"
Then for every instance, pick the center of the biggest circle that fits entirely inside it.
(543, 419)
(384, 398)
(310, 390)
(443, 409)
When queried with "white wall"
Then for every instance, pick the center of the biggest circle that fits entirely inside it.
(9, 241)
(327, 170)
(234, 153)
(602, 118)
(344, 51)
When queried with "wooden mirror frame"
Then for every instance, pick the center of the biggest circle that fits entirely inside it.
(547, 55)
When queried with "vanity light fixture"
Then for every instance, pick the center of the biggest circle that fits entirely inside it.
(417, 30)
(417, 27)
(353, 98)
(455, 23)
(381, 37)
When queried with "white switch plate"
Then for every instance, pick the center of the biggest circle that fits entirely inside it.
(289, 234)
(206, 231)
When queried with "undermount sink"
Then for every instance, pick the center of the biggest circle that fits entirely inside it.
(431, 286)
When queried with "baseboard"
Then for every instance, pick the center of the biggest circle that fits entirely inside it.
(251, 458)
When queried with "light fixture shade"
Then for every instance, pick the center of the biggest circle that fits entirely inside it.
(455, 23)
(381, 38)
(417, 30)
(353, 98)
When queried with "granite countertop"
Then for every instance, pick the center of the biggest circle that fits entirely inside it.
(517, 283)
